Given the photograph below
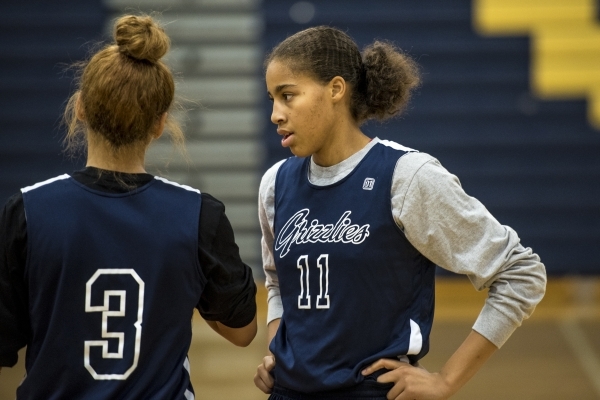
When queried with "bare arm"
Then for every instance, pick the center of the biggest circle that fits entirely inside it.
(467, 360)
(416, 383)
(239, 336)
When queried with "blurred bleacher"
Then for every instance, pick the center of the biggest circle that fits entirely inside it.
(215, 56)
(509, 110)
(38, 41)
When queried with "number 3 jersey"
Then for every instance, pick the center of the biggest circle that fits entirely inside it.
(113, 279)
(353, 288)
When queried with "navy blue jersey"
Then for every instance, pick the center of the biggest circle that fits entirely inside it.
(113, 279)
(353, 288)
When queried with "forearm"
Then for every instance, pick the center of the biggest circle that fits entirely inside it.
(466, 361)
(239, 336)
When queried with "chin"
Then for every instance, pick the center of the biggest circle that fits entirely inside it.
(299, 153)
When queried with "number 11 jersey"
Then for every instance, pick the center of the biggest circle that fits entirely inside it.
(353, 288)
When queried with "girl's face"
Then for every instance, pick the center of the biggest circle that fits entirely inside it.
(302, 110)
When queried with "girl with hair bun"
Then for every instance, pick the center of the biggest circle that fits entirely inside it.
(101, 270)
(353, 228)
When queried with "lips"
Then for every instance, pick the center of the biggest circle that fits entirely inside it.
(285, 141)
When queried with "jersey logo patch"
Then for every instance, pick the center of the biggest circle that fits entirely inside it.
(368, 183)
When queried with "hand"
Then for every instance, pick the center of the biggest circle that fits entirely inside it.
(410, 382)
(263, 378)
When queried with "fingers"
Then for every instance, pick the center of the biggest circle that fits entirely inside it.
(418, 365)
(263, 385)
(395, 373)
(387, 363)
(396, 376)
(269, 362)
(263, 379)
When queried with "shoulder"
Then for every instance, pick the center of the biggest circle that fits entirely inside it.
(13, 225)
(410, 161)
(271, 173)
(14, 207)
(212, 214)
(420, 174)
(415, 163)
(267, 183)
(45, 183)
(212, 204)
(173, 184)
(407, 158)
(394, 145)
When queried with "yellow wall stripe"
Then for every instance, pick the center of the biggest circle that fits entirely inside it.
(565, 43)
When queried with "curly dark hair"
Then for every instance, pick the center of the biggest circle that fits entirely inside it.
(382, 78)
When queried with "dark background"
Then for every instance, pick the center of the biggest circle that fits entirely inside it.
(534, 164)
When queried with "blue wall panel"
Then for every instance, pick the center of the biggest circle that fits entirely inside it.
(38, 41)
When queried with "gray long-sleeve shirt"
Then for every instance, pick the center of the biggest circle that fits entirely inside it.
(449, 227)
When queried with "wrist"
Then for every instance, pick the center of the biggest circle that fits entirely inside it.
(448, 385)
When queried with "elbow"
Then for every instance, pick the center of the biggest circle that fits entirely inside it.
(244, 336)
(245, 341)
(542, 280)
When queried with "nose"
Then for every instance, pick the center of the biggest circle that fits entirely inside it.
(277, 115)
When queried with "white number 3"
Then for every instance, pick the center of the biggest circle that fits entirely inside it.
(106, 313)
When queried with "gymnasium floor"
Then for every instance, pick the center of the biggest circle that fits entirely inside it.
(555, 355)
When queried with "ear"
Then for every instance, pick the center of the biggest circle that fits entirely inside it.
(160, 126)
(338, 88)
(79, 112)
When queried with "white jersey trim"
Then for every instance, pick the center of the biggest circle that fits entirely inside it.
(46, 182)
(186, 187)
(188, 394)
(416, 339)
(394, 145)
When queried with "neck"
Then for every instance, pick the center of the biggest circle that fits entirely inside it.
(341, 146)
(128, 159)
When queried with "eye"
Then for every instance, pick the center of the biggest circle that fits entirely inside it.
(271, 98)
(287, 96)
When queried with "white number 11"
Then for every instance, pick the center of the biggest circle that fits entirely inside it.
(323, 297)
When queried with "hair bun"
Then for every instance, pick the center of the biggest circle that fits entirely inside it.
(140, 37)
(391, 77)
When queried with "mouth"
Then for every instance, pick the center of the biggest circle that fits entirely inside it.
(285, 140)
